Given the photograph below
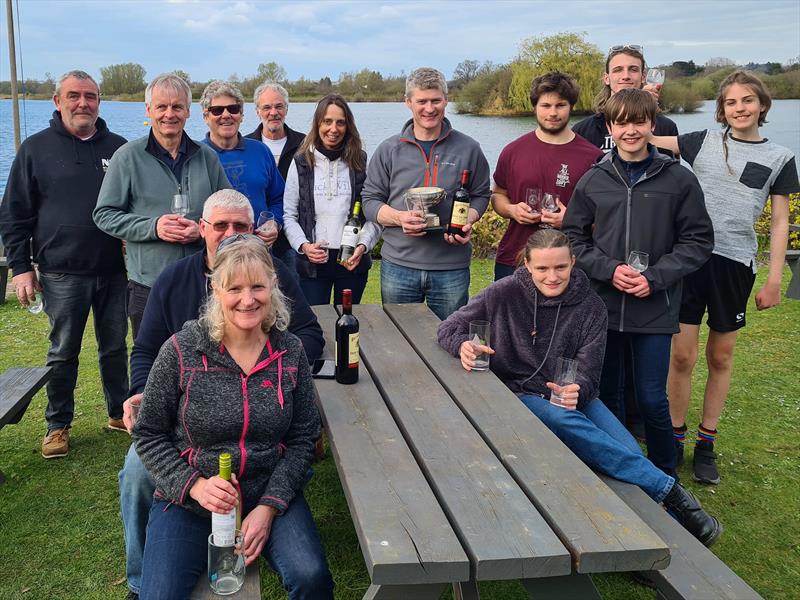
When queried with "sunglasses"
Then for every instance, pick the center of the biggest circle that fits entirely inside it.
(237, 237)
(634, 47)
(233, 109)
(220, 226)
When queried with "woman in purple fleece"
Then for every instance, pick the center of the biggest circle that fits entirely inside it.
(544, 311)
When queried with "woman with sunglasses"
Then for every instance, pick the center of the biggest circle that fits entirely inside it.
(248, 164)
(234, 381)
(322, 186)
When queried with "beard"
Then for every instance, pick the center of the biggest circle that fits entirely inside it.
(550, 128)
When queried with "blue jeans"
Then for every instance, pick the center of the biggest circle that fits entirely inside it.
(445, 291)
(596, 437)
(175, 554)
(136, 489)
(333, 276)
(501, 271)
(67, 300)
(649, 354)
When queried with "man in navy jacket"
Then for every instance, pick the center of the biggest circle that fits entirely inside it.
(176, 297)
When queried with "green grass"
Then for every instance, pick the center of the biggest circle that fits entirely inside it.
(61, 535)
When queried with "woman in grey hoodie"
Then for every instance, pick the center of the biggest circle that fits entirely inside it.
(544, 311)
(235, 381)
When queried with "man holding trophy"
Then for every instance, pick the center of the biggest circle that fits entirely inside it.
(409, 190)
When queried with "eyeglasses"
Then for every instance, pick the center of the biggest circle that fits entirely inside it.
(233, 109)
(634, 47)
(268, 107)
(237, 237)
(220, 226)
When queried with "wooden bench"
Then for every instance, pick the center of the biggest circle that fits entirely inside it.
(250, 590)
(519, 503)
(17, 388)
(793, 260)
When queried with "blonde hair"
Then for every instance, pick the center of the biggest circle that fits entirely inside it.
(244, 255)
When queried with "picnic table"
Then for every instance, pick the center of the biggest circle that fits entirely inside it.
(451, 480)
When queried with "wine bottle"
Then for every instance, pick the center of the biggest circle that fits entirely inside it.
(224, 526)
(459, 213)
(350, 235)
(347, 342)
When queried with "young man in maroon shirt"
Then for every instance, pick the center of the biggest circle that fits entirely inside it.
(551, 159)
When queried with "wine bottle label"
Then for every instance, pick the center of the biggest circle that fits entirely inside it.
(350, 236)
(460, 214)
(352, 358)
(224, 528)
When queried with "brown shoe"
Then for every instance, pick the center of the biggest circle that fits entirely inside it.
(117, 425)
(56, 443)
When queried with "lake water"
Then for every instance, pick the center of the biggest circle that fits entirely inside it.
(376, 121)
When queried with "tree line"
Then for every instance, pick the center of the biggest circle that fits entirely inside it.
(476, 87)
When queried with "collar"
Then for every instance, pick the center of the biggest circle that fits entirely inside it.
(240, 145)
(158, 150)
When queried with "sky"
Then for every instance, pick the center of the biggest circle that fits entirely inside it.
(313, 39)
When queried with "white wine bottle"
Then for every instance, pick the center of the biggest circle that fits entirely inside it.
(350, 235)
(223, 526)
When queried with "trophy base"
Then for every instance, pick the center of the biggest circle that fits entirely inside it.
(434, 229)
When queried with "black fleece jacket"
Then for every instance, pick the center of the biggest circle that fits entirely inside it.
(51, 193)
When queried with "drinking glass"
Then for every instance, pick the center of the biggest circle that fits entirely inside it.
(548, 205)
(479, 335)
(533, 198)
(266, 222)
(35, 306)
(226, 566)
(566, 372)
(638, 260)
(180, 204)
(656, 76)
(135, 406)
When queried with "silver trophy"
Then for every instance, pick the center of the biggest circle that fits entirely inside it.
(424, 199)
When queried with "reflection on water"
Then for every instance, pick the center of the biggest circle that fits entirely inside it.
(376, 122)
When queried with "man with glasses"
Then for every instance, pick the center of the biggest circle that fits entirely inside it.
(175, 298)
(272, 105)
(155, 189)
(625, 68)
(47, 208)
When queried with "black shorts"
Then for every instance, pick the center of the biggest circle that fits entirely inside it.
(723, 287)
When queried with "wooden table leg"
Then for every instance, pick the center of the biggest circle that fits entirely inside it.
(465, 590)
(575, 585)
(431, 591)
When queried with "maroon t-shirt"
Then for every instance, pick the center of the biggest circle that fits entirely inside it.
(528, 162)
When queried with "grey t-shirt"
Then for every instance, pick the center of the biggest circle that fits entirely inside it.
(737, 185)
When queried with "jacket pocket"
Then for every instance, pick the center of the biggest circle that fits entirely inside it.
(755, 176)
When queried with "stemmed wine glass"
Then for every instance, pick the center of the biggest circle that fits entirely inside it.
(656, 76)
(180, 204)
(266, 222)
(533, 198)
(638, 260)
(549, 204)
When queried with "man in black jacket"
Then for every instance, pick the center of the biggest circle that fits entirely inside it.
(272, 105)
(47, 207)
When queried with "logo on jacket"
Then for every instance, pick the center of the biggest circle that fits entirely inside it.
(562, 179)
(267, 384)
(104, 163)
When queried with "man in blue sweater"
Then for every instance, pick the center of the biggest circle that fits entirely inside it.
(176, 297)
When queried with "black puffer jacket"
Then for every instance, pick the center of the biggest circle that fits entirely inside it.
(663, 214)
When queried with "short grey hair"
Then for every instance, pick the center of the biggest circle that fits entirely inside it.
(245, 255)
(218, 88)
(426, 78)
(169, 81)
(77, 74)
(229, 200)
(270, 85)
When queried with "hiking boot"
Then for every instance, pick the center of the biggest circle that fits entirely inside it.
(705, 463)
(686, 509)
(56, 443)
(679, 454)
(117, 425)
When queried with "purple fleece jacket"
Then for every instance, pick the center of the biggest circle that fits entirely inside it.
(529, 332)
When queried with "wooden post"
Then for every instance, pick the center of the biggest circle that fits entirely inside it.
(12, 59)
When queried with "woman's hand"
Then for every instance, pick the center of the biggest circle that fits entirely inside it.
(255, 529)
(316, 254)
(214, 494)
(469, 352)
(568, 394)
(353, 261)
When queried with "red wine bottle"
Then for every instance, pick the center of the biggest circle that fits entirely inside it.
(459, 213)
(347, 342)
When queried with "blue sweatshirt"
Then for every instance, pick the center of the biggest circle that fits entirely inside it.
(179, 293)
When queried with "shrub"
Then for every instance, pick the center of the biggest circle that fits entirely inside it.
(763, 222)
(486, 234)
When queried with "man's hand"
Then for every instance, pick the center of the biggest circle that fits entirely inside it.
(353, 261)
(568, 394)
(190, 231)
(269, 236)
(177, 229)
(214, 494)
(412, 222)
(554, 218)
(460, 239)
(469, 352)
(255, 529)
(127, 410)
(26, 285)
(624, 278)
(524, 214)
(768, 296)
